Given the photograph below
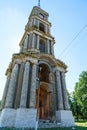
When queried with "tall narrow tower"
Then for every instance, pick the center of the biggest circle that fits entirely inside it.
(35, 88)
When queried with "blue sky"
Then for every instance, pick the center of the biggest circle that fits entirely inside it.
(68, 17)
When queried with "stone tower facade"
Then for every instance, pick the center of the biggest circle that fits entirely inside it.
(35, 88)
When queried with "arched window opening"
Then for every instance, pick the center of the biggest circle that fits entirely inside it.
(42, 46)
(44, 73)
(41, 27)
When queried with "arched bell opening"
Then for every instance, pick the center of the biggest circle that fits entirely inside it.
(43, 93)
(44, 72)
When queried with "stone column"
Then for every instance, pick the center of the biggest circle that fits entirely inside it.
(5, 91)
(12, 87)
(33, 87)
(34, 21)
(26, 42)
(46, 28)
(21, 48)
(25, 86)
(49, 29)
(38, 23)
(48, 47)
(19, 86)
(33, 40)
(52, 98)
(38, 39)
(52, 47)
(65, 98)
(31, 22)
(59, 91)
(30, 41)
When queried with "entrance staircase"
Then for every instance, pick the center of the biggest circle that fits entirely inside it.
(48, 124)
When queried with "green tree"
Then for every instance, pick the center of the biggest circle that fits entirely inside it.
(80, 96)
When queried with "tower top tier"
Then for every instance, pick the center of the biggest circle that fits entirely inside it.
(40, 13)
(37, 37)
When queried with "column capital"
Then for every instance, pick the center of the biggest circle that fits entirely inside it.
(57, 71)
(8, 74)
(18, 61)
(32, 60)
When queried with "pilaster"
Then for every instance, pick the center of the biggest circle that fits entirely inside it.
(25, 86)
(5, 91)
(38, 39)
(59, 91)
(33, 40)
(12, 87)
(48, 47)
(33, 87)
(46, 28)
(19, 86)
(21, 48)
(52, 47)
(26, 42)
(65, 98)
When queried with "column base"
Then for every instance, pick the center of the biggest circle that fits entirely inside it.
(26, 118)
(20, 118)
(65, 117)
(7, 118)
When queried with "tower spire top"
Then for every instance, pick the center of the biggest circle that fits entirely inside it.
(38, 3)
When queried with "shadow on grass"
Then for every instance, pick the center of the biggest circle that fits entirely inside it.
(66, 128)
(81, 121)
(80, 128)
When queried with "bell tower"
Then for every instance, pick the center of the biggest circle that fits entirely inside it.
(35, 88)
(37, 37)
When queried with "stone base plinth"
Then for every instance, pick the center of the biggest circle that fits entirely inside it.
(7, 118)
(65, 117)
(20, 118)
(26, 118)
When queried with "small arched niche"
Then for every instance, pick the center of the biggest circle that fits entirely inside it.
(42, 27)
(42, 46)
(44, 73)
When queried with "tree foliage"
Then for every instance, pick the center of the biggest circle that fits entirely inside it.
(79, 98)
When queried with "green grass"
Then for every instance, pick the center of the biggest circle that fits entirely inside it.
(76, 128)
(80, 125)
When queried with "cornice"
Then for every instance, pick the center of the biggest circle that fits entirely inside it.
(61, 64)
(36, 7)
(42, 20)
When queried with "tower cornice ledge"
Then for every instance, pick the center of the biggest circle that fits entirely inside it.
(24, 54)
(36, 7)
(44, 21)
(61, 64)
(19, 58)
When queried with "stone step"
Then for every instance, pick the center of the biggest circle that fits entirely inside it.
(48, 124)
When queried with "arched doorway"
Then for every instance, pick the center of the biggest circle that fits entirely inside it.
(43, 94)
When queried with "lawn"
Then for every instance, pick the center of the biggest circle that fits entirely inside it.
(76, 128)
(81, 125)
